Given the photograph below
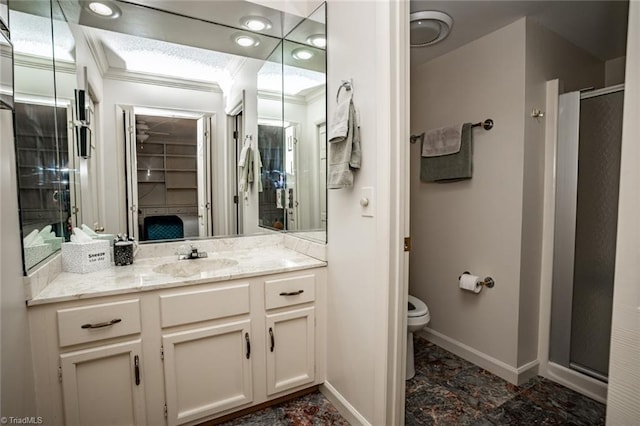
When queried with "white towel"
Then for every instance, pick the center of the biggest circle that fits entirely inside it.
(244, 166)
(442, 141)
(339, 127)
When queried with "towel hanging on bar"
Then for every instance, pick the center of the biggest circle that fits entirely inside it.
(344, 140)
(486, 125)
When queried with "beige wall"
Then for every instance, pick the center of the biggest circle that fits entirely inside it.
(16, 371)
(490, 225)
(548, 57)
(475, 224)
(614, 71)
(624, 365)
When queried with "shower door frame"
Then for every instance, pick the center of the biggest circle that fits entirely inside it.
(569, 107)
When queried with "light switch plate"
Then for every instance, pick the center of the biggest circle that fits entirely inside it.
(367, 205)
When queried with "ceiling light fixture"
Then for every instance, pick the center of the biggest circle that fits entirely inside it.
(104, 9)
(302, 54)
(256, 23)
(428, 27)
(246, 41)
(317, 40)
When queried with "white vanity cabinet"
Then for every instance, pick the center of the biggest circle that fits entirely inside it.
(290, 325)
(207, 366)
(102, 385)
(180, 355)
(96, 351)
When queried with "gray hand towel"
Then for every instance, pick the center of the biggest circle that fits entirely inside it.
(345, 155)
(452, 167)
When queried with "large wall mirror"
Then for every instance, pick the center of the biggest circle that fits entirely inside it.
(292, 132)
(135, 121)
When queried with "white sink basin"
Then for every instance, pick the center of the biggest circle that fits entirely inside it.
(187, 268)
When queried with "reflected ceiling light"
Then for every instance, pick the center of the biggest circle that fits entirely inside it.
(246, 41)
(302, 54)
(104, 8)
(428, 27)
(317, 40)
(256, 23)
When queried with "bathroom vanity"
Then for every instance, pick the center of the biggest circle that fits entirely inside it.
(168, 341)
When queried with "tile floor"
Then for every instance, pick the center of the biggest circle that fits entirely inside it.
(447, 390)
(312, 409)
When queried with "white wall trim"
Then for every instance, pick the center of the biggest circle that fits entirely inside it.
(501, 369)
(347, 410)
(36, 62)
(133, 77)
(548, 223)
(579, 382)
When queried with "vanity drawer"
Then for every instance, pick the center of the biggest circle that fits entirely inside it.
(204, 305)
(289, 291)
(98, 322)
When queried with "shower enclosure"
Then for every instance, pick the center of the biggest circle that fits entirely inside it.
(587, 176)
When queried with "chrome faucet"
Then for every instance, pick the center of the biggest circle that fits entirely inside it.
(193, 254)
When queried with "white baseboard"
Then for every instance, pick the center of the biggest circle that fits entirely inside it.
(347, 410)
(516, 376)
(581, 383)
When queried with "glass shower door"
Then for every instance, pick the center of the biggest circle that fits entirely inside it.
(588, 174)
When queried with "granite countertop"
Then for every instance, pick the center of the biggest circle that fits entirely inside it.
(150, 273)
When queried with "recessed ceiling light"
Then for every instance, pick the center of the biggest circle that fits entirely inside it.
(246, 41)
(105, 9)
(317, 40)
(428, 27)
(256, 23)
(302, 54)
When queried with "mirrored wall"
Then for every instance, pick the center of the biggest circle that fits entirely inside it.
(141, 71)
(292, 133)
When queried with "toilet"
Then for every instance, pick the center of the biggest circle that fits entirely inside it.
(417, 318)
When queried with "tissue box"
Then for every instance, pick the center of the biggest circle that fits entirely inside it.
(82, 258)
(106, 237)
(55, 243)
(35, 254)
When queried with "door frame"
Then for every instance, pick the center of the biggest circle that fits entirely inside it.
(128, 112)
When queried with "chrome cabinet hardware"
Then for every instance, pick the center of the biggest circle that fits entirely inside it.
(102, 324)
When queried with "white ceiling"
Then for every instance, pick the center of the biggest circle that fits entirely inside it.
(598, 27)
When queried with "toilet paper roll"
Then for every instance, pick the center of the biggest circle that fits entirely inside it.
(470, 283)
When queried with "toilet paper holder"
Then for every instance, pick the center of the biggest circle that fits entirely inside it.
(487, 282)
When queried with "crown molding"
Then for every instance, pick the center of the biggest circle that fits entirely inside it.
(97, 52)
(40, 63)
(157, 80)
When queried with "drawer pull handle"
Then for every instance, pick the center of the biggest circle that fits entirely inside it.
(136, 362)
(273, 341)
(292, 293)
(246, 337)
(102, 324)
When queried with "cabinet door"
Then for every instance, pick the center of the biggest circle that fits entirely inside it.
(207, 370)
(103, 385)
(290, 349)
